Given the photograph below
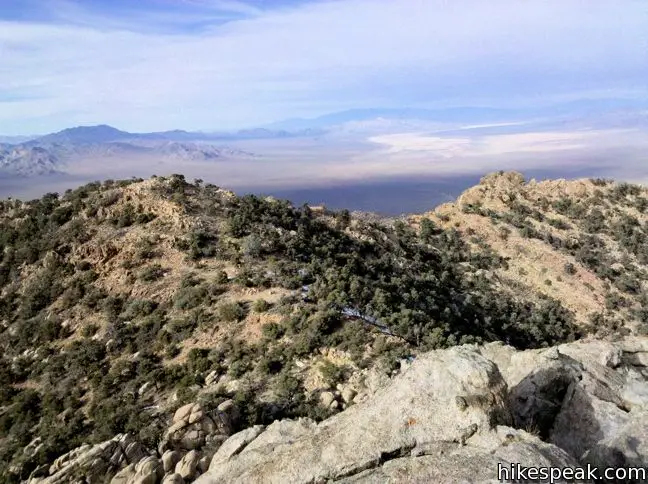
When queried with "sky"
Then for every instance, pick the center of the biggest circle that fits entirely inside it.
(155, 65)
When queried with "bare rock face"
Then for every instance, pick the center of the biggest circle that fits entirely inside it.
(187, 467)
(443, 462)
(584, 397)
(450, 416)
(97, 461)
(193, 428)
(173, 479)
(448, 408)
(455, 414)
(628, 447)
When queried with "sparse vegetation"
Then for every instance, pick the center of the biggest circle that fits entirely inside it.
(101, 288)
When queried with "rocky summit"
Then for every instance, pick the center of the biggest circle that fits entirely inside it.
(167, 331)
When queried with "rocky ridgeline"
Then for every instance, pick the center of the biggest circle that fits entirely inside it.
(450, 416)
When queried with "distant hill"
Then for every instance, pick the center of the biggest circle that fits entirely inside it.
(24, 161)
(83, 134)
(467, 115)
(49, 154)
(108, 134)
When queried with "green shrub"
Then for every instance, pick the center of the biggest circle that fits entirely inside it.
(151, 273)
(191, 297)
(89, 330)
(138, 308)
(260, 306)
(272, 331)
(231, 311)
(221, 278)
(570, 268)
(332, 373)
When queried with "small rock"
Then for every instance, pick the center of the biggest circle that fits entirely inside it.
(182, 414)
(196, 415)
(173, 479)
(169, 460)
(143, 388)
(327, 398)
(227, 406)
(203, 464)
(211, 378)
(334, 405)
(232, 386)
(125, 476)
(188, 465)
(148, 471)
(552, 354)
(612, 358)
(348, 394)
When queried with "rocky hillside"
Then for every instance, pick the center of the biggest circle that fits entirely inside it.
(146, 326)
(27, 161)
(582, 242)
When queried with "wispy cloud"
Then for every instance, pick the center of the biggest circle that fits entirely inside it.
(209, 64)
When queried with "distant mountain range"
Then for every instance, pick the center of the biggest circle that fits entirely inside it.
(468, 115)
(48, 154)
(107, 134)
(26, 156)
(27, 161)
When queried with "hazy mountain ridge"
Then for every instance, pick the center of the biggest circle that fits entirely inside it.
(25, 161)
(355, 129)
(49, 154)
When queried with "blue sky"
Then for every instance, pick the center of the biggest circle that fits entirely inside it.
(221, 64)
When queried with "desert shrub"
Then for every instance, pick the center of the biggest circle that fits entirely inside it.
(201, 244)
(601, 182)
(623, 190)
(89, 330)
(191, 297)
(198, 361)
(594, 222)
(221, 278)
(628, 283)
(332, 373)
(172, 351)
(231, 311)
(151, 273)
(558, 223)
(238, 368)
(272, 331)
(260, 306)
(271, 363)
(138, 309)
(569, 268)
(40, 292)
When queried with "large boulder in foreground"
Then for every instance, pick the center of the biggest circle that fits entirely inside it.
(579, 396)
(445, 419)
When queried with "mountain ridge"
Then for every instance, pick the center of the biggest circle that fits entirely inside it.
(159, 318)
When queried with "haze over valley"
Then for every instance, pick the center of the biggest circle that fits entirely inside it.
(340, 160)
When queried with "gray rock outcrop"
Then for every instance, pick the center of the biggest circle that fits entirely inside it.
(97, 461)
(193, 428)
(448, 407)
(449, 416)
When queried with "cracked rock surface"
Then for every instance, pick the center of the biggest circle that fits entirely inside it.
(455, 414)
(451, 416)
(413, 429)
